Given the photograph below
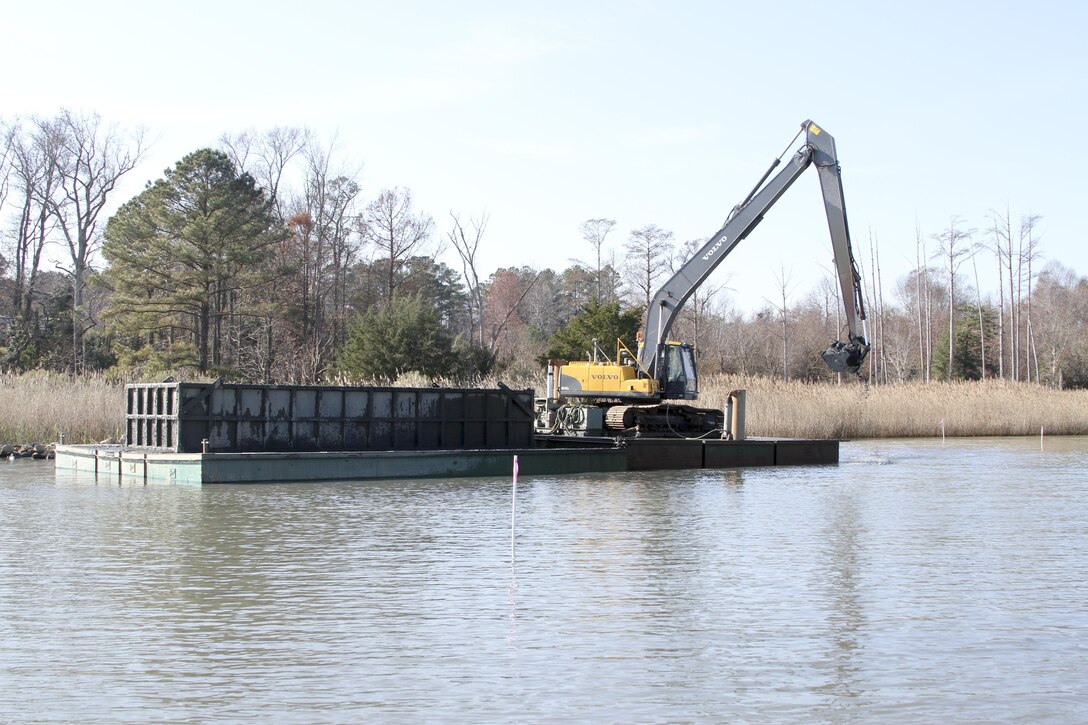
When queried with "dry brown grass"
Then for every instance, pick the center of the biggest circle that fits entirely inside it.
(853, 410)
(37, 407)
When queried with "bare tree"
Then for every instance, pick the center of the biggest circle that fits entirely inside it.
(267, 155)
(1016, 249)
(900, 330)
(1000, 236)
(330, 196)
(647, 249)
(781, 306)
(613, 279)
(506, 291)
(830, 300)
(319, 251)
(293, 332)
(978, 306)
(6, 140)
(927, 306)
(1061, 298)
(595, 231)
(35, 172)
(93, 159)
(1005, 230)
(392, 227)
(1027, 254)
(923, 328)
(877, 361)
(466, 241)
(954, 247)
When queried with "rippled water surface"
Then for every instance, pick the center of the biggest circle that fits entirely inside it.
(914, 582)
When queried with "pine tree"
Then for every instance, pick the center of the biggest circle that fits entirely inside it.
(388, 340)
(603, 323)
(182, 251)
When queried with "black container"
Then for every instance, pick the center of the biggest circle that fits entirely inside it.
(234, 418)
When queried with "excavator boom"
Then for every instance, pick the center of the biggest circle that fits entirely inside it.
(818, 150)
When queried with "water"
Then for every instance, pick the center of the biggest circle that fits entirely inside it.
(914, 582)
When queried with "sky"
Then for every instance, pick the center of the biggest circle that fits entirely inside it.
(544, 115)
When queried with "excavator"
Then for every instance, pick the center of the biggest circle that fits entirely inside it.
(628, 396)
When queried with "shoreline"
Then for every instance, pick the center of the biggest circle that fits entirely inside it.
(33, 451)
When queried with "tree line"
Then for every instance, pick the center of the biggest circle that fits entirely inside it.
(265, 259)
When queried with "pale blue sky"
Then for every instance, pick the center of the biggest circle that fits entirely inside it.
(546, 114)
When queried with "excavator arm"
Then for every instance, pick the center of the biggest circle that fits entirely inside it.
(818, 150)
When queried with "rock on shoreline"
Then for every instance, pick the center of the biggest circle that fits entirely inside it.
(35, 451)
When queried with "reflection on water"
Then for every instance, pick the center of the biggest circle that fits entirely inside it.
(914, 582)
(841, 569)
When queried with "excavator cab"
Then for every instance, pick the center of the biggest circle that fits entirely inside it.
(676, 375)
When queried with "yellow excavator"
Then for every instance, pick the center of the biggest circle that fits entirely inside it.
(631, 394)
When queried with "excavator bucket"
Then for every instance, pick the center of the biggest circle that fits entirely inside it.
(846, 357)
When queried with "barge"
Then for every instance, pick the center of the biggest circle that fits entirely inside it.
(203, 433)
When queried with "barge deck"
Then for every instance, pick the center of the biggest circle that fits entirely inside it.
(553, 457)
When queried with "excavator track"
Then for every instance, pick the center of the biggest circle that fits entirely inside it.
(664, 420)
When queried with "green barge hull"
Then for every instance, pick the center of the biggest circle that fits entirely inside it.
(550, 456)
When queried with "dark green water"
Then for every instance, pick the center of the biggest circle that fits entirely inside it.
(914, 582)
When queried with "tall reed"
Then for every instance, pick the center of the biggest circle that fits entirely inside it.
(37, 407)
(855, 410)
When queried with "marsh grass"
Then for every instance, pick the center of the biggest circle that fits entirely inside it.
(37, 407)
(854, 410)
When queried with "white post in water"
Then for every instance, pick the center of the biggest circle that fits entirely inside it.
(942, 430)
(513, 509)
(1041, 439)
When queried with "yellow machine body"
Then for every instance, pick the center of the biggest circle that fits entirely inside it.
(604, 379)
